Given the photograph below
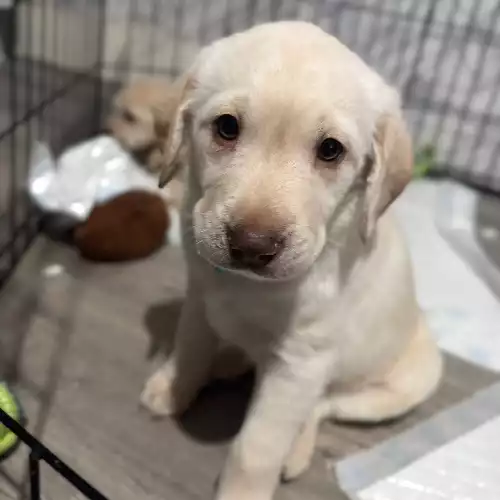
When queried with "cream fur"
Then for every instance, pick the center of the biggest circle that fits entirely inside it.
(332, 325)
(140, 117)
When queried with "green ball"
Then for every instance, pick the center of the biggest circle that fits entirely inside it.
(9, 405)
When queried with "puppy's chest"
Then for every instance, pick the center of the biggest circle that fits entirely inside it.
(253, 321)
(262, 318)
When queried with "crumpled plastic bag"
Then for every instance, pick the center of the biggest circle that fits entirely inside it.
(91, 172)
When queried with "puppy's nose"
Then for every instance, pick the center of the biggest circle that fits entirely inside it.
(253, 248)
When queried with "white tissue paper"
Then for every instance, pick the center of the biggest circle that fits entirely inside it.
(88, 173)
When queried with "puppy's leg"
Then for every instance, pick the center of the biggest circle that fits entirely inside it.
(284, 397)
(300, 457)
(172, 387)
(412, 380)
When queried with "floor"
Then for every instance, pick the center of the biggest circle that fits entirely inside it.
(75, 339)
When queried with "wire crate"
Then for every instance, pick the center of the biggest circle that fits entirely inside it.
(443, 55)
(61, 60)
(51, 92)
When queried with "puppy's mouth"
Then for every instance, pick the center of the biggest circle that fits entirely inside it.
(271, 250)
(259, 273)
(282, 262)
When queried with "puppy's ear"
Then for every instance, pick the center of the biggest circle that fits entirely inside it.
(390, 167)
(176, 131)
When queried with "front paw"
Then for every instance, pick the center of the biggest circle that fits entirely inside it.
(300, 457)
(163, 396)
(237, 488)
(296, 464)
(244, 495)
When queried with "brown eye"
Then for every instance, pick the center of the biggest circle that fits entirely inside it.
(227, 127)
(128, 116)
(330, 150)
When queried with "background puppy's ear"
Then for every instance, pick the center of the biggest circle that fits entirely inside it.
(176, 131)
(391, 167)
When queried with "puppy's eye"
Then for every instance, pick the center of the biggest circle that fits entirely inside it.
(128, 116)
(227, 127)
(330, 150)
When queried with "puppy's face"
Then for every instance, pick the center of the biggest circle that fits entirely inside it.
(132, 123)
(141, 114)
(281, 123)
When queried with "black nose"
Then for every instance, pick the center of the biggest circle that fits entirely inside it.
(253, 248)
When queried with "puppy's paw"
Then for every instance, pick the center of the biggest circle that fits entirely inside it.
(301, 454)
(162, 395)
(243, 494)
(296, 464)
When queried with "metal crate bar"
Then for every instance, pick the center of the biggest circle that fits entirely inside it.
(40, 452)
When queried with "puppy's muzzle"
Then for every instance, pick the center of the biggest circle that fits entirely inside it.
(252, 247)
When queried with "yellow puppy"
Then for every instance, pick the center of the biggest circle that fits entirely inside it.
(140, 118)
(295, 151)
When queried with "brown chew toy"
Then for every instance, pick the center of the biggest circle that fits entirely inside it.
(130, 226)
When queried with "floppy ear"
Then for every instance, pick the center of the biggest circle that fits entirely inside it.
(176, 132)
(390, 168)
